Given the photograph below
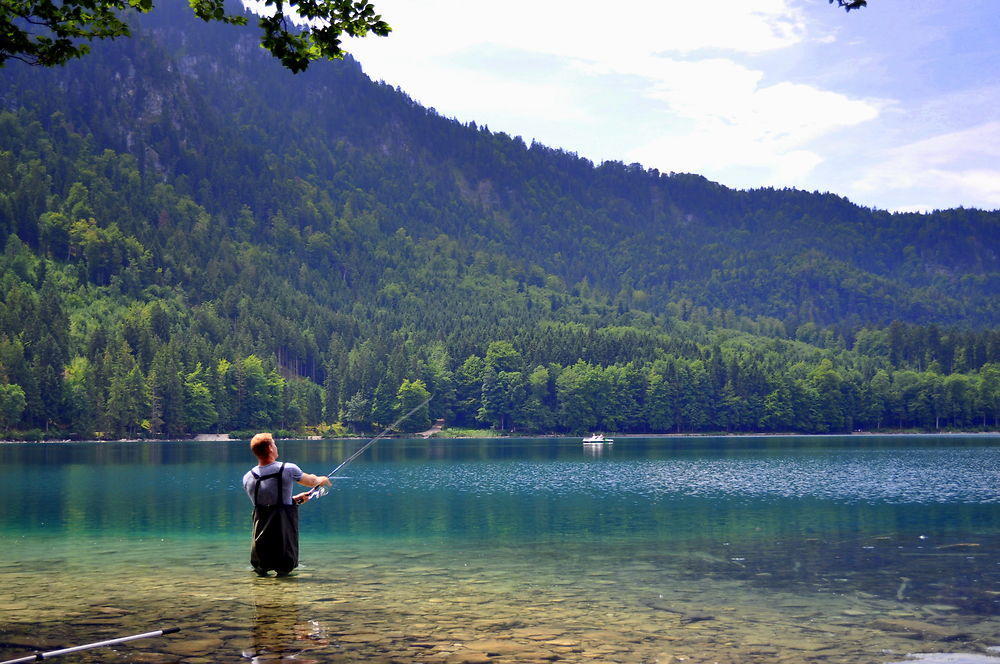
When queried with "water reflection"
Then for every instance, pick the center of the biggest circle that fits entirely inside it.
(281, 628)
(597, 451)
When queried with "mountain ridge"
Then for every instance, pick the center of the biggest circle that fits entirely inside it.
(645, 208)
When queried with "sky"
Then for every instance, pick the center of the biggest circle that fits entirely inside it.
(895, 106)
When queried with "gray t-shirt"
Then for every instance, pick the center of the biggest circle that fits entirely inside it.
(268, 494)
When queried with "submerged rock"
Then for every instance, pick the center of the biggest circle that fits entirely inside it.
(686, 617)
(921, 630)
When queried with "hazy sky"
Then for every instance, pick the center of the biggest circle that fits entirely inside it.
(895, 106)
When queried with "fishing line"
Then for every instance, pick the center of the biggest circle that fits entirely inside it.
(320, 491)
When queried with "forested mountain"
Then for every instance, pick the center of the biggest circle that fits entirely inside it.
(196, 239)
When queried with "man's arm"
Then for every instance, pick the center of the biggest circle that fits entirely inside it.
(310, 480)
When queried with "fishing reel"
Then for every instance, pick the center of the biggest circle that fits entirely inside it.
(319, 491)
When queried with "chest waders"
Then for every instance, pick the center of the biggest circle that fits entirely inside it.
(275, 530)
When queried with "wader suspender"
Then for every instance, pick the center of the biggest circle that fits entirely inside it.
(280, 475)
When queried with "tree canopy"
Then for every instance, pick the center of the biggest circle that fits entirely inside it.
(47, 33)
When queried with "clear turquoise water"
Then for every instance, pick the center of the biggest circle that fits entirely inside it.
(707, 549)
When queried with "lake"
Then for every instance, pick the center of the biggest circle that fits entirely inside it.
(677, 549)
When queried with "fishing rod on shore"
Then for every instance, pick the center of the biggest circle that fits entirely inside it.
(37, 657)
(320, 491)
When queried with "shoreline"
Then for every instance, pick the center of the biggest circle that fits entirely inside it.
(226, 438)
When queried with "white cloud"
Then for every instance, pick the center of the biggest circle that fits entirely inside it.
(720, 152)
(703, 111)
(735, 121)
(595, 36)
(588, 29)
(617, 32)
(454, 93)
(747, 92)
(957, 166)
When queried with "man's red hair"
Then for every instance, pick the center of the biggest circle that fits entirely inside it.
(260, 444)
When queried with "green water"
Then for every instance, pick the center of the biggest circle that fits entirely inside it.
(853, 549)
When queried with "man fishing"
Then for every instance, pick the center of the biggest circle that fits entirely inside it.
(275, 511)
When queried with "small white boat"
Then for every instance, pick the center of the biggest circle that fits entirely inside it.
(597, 439)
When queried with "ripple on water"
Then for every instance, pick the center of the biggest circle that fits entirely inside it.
(961, 475)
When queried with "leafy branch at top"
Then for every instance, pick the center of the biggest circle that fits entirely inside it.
(848, 5)
(50, 32)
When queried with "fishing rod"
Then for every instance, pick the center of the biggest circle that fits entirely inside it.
(320, 491)
(99, 644)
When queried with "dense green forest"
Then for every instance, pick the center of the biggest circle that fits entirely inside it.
(195, 240)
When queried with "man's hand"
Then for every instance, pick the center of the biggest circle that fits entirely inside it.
(313, 481)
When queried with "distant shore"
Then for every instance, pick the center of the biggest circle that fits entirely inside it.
(443, 435)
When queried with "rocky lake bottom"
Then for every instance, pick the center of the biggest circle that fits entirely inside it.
(353, 602)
